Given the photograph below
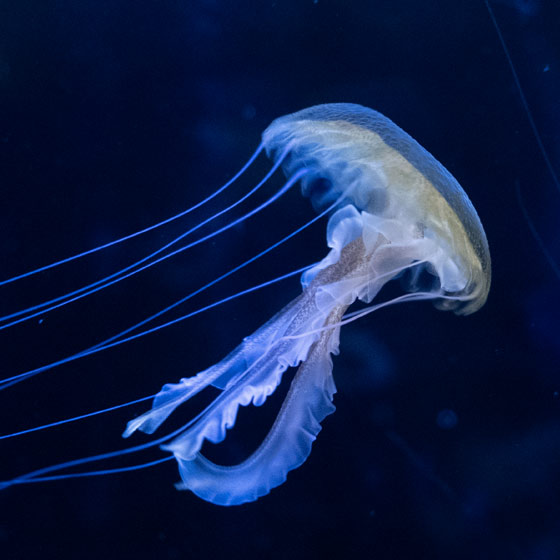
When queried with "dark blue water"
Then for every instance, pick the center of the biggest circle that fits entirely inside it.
(446, 438)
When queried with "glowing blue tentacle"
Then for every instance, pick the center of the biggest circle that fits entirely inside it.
(134, 268)
(140, 232)
(8, 382)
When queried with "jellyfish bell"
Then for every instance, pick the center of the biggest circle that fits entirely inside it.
(392, 210)
(384, 172)
(395, 208)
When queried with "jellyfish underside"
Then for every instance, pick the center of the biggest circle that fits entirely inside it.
(396, 210)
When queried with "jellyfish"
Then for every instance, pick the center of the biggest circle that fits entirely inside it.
(393, 212)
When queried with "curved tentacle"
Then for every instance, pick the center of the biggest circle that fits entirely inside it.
(287, 445)
(222, 374)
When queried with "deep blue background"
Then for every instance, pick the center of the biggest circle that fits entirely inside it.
(117, 114)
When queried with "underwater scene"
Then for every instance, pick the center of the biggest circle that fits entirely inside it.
(280, 279)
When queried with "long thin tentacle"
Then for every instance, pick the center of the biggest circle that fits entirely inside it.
(132, 269)
(7, 382)
(140, 232)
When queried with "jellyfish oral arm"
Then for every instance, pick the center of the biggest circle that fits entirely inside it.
(362, 259)
(287, 445)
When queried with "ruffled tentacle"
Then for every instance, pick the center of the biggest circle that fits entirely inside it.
(286, 446)
(294, 337)
(222, 374)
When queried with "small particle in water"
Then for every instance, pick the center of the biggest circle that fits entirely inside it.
(249, 112)
(446, 419)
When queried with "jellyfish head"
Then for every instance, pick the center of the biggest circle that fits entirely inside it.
(407, 202)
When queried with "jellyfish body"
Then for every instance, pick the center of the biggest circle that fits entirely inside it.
(395, 210)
